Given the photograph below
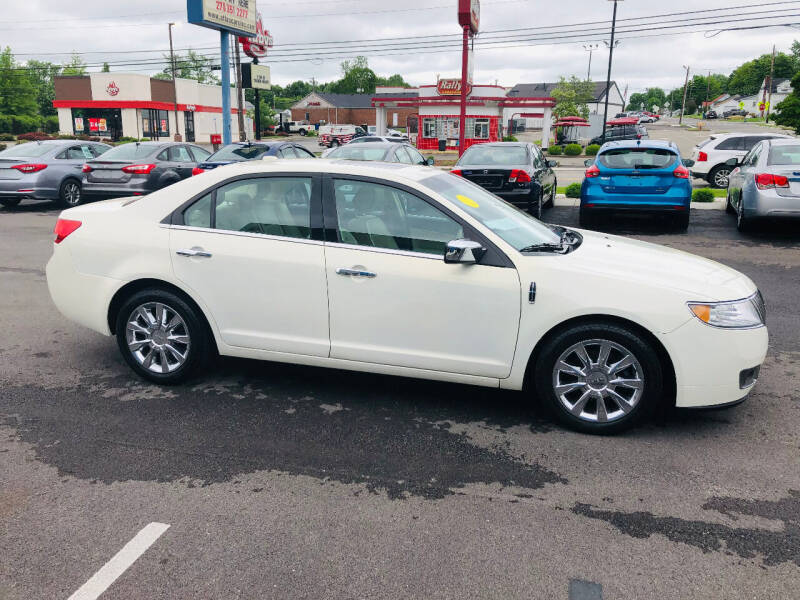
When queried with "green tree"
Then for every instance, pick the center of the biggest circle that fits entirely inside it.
(747, 78)
(75, 66)
(393, 81)
(42, 75)
(357, 78)
(190, 66)
(17, 92)
(106, 68)
(789, 109)
(298, 89)
(572, 97)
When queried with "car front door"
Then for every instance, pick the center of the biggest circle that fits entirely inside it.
(393, 299)
(251, 251)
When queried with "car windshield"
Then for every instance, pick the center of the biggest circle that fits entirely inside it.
(235, 152)
(494, 155)
(637, 158)
(784, 155)
(26, 150)
(359, 152)
(515, 227)
(132, 151)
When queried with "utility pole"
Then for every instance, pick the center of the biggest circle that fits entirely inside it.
(174, 89)
(771, 72)
(239, 103)
(610, 57)
(590, 48)
(258, 107)
(685, 87)
(708, 87)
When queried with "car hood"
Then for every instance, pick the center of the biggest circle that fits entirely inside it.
(653, 265)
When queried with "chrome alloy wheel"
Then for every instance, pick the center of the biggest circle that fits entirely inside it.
(721, 177)
(157, 337)
(72, 193)
(598, 380)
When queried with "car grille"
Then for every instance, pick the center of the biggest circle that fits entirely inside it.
(761, 308)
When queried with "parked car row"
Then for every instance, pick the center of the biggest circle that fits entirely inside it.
(712, 155)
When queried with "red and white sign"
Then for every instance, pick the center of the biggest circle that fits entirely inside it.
(469, 14)
(256, 47)
(112, 89)
(451, 87)
(216, 138)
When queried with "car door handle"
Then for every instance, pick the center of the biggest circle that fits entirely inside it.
(198, 252)
(354, 272)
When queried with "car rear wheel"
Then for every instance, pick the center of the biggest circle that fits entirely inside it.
(586, 218)
(728, 206)
(69, 194)
(10, 202)
(161, 337)
(743, 224)
(598, 377)
(551, 201)
(536, 205)
(302, 132)
(718, 177)
(682, 221)
(334, 143)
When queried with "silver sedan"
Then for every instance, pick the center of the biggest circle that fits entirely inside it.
(765, 183)
(46, 170)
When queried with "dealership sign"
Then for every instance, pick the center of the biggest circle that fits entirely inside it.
(255, 76)
(469, 14)
(256, 47)
(236, 16)
(451, 87)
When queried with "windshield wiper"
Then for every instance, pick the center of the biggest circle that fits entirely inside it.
(544, 247)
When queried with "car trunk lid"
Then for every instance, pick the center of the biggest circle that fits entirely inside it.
(108, 171)
(636, 181)
(491, 178)
(792, 173)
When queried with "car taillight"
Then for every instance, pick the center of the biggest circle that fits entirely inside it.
(681, 172)
(702, 157)
(592, 171)
(29, 168)
(456, 172)
(519, 176)
(138, 169)
(63, 228)
(768, 181)
(86, 169)
(197, 171)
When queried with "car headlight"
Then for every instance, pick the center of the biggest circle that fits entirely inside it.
(737, 314)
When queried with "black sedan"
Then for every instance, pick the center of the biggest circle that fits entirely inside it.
(139, 168)
(381, 151)
(516, 172)
(241, 151)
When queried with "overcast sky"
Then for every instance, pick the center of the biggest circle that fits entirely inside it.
(43, 28)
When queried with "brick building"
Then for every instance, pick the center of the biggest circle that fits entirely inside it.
(347, 109)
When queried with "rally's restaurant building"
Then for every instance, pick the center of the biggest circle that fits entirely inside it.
(113, 105)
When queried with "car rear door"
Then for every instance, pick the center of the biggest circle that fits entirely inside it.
(181, 160)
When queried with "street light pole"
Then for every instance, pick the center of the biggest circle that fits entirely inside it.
(610, 57)
(174, 88)
(590, 48)
(685, 87)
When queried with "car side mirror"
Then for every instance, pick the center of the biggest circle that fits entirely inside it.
(463, 251)
(732, 162)
(588, 162)
(688, 162)
(429, 161)
(552, 164)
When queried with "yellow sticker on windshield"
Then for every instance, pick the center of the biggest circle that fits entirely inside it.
(468, 201)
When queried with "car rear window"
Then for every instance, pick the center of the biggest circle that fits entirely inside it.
(237, 153)
(358, 152)
(132, 151)
(637, 158)
(784, 155)
(27, 150)
(706, 142)
(494, 155)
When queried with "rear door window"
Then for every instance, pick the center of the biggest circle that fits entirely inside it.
(637, 158)
(180, 154)
(733, 143)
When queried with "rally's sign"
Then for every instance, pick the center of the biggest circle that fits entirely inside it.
(469, 14)
(112, 89)
(451, 87)
(236, 16)
(257, 46)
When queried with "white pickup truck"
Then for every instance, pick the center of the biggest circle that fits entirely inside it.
(301, 127)
(336, 135)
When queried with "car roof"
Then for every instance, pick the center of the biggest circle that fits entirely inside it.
(502, 144)
(385, 145)
(640, 144)
(723, 136)
(783, 141)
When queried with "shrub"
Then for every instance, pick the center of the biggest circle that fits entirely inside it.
(126, 138)
(510, 138)
(592, 149)
(6, 137)
(702, 195)
(35, 136)
(538, 142)
(50, 124)
(573, 190)
(554, 150)
(19, 123)
(573, 149)
(2, 147)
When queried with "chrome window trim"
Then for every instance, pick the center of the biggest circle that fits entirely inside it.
(260, 236)
(386, 250)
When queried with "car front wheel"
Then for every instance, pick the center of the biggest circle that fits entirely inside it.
(161, 337)
(598, 377)
(718, 177)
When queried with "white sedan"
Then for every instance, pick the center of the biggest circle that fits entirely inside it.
(404, 270)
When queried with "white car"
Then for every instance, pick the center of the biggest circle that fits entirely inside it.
(366, 139)
(711, 155)
(405, 270)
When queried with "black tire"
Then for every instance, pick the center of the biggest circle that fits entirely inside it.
(551, 201)
(334, 143)
(197, 352)
(535, 205)
(302, 132)
(716, 176)
(586, 218)
(728, 206)
(743, 224)
(648, 368)
(70, 193)
(682, 221)
(10, 202)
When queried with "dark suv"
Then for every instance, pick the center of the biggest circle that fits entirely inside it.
(619, 133)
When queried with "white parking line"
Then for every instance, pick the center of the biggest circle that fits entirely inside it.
(100, 581)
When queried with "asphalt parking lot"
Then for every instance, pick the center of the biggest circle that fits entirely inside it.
(278, 481)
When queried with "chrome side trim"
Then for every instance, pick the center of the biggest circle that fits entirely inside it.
(385, 251)
(260, 236)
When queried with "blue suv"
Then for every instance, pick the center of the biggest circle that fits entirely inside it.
(637, 176)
